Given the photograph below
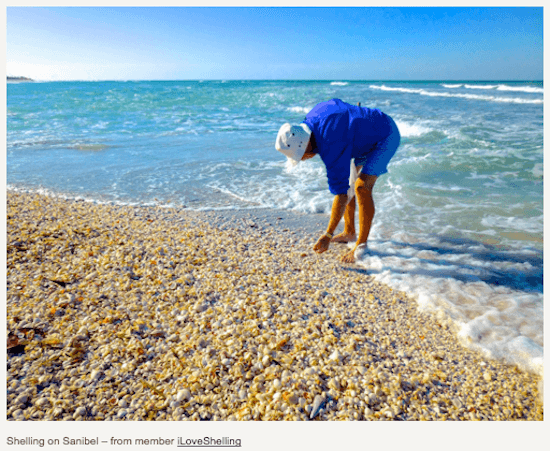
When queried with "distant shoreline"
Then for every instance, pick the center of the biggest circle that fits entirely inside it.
(19, 79)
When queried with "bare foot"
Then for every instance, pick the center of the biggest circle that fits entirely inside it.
(348, 258)
(344, 238)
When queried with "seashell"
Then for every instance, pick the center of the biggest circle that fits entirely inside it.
(21, 399)
(42, 402)
(318, 402)
(291, 398)
(335, 356)
(285, 375)
(79, 412)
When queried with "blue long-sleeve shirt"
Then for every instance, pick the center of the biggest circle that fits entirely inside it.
(342, 132)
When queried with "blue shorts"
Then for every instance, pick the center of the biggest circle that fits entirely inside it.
(375, 162)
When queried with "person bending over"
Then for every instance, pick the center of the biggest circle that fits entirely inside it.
(356, 144)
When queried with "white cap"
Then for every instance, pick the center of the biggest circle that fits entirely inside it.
(292, 141)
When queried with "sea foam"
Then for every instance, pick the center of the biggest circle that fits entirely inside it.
(488, 318)
(425, 92)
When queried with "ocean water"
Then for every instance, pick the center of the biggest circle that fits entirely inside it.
(459, 222)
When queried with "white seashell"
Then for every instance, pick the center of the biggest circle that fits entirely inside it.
(80, 412)
(334, 384)
(200, 307)
(316, 406)
(335, 356)
(82, 331)
(41, 402)
(21, 399)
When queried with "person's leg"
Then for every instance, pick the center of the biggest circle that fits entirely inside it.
(374, 164)
(365, 203)
(349, 222)
(363, 193)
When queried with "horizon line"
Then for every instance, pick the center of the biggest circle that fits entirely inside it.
(22, 78)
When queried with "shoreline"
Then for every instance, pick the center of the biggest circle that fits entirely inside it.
(154, 313)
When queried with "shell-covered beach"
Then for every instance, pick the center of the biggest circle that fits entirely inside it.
(144, 313)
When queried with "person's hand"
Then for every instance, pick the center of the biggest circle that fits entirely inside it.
(349, 257)
(322, 244)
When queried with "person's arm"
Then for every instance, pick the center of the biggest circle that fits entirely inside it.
(338, 207)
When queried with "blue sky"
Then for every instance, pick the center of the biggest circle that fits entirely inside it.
(275, 43)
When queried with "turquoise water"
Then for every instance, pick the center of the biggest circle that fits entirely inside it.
(459, 215)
